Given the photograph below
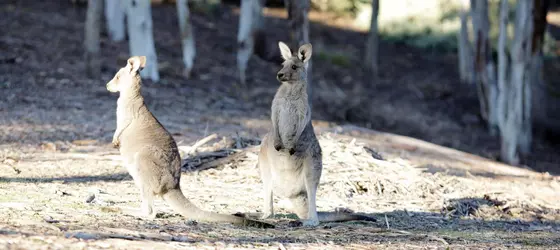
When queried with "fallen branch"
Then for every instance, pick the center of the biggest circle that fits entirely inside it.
(221, 161)
(207, 160)
(123, 234)
(191, 163)
(190, 150)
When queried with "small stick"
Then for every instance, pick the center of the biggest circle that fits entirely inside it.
(387, 222)
(206, 129)
(379, 187)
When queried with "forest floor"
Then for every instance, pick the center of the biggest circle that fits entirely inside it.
(430, 179)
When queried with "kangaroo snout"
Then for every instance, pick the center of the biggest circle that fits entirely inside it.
(111, 86)
(282, 76)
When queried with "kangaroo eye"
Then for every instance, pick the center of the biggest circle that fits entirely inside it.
(294, 67)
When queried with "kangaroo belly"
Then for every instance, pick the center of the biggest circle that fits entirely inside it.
(287, 187)
(286, 175)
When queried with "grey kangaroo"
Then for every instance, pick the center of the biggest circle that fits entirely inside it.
(290, 158)
(150, 153)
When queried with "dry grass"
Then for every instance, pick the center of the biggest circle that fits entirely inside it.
(61, 199)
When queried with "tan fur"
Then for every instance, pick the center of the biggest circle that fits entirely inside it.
(290, 158)
(150, 153)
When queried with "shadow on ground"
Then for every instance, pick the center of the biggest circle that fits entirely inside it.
(69, 179)
(445, 228)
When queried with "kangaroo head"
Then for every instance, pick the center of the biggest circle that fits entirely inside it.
(294, 68)
(128, 77)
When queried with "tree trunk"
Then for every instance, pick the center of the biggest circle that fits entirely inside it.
(372, 46)
(465, 51)
(92, 32)
(535, 74)
(114, 17)
(187, 36)
(483, 64)
(503, 65)
(250, 26)
(141, 37)
(299, 24)
(519, 91)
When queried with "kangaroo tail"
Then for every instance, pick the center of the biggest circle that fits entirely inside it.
(182, 205)
(342, 216)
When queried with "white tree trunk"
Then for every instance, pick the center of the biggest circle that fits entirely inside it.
(250, 22)
(299, 24)
(519, 89)
(502, 65)
(92, 32)
(187, 36)
(372, 46)
(114, 16)
(465, 51)
(483, 65)
(141, 37)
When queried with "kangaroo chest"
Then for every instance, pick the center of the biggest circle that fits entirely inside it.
(290, 117)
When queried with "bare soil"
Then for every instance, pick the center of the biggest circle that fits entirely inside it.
(62, 185)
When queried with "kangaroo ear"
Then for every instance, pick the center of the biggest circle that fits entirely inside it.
(304, 52)
(136, 63)
(285, 50)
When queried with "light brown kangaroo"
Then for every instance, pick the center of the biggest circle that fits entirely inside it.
(290, 158)
(150, 153)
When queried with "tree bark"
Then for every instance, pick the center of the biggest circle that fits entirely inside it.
(483, 64)
(250, 26)
(114, 16)
(372, 46)
(141, 37)
(535, 74)
(503, 65)
(299, 24)
(91, 42)
(465, 51)
(519, 91)
(187, 36)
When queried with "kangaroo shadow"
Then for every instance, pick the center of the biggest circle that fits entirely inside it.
(460, 220)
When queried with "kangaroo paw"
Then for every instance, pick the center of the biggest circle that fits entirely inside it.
(310, 223)
(292, 151)
(278, 147)
(116, 144)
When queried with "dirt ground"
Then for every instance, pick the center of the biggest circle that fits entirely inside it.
(62, 185)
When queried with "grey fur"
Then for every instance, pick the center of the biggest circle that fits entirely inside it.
(290, 157)
(150, 153)
(290, 109)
